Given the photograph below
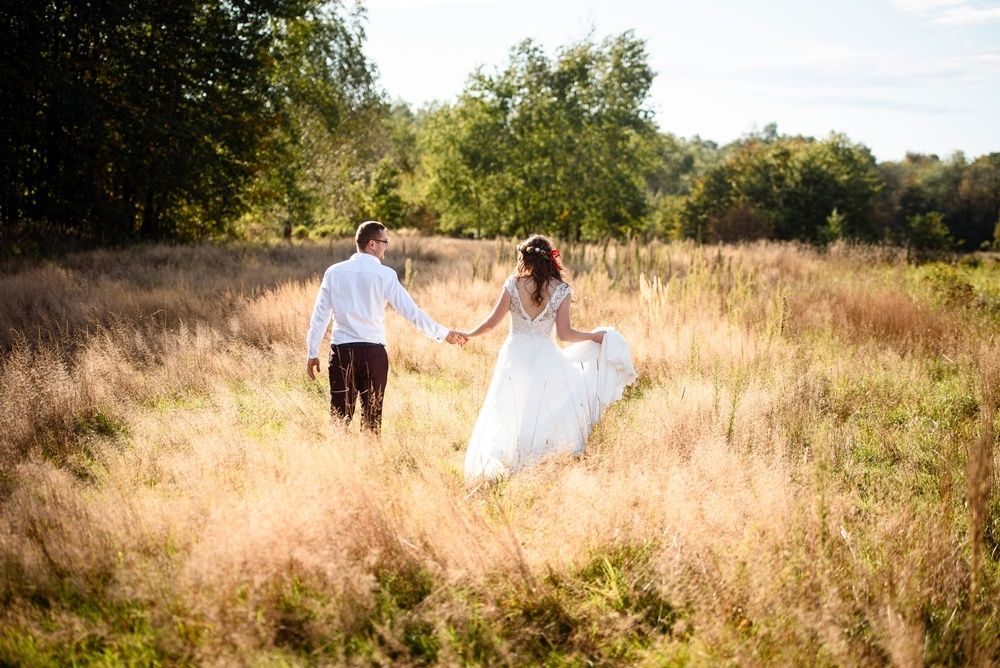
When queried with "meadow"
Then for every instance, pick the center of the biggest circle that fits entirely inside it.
(805, 472)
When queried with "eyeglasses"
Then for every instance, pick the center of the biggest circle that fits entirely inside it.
(382, 241)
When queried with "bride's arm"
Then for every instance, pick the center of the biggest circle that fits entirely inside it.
(565, 332)
(499, 311)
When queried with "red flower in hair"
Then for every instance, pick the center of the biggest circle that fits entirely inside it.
(555, 255)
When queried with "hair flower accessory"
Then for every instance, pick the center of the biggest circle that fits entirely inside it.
(555, 255)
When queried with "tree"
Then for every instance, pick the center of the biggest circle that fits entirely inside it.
(384, 202)
(928, 232)
(672, 165)
(126, 120)
(546, 146)
(323, 91)
(786, 188)
(964, 194)
(979, 202)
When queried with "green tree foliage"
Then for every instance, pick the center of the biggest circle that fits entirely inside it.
(978, 219)
(546, 145)
(146, 119)
(384, 202)
(124, 121)
(927, 231)
(675, 163)
(786, 188)
(673, 166)
(405, 133)
(322, 150)
(966, 196)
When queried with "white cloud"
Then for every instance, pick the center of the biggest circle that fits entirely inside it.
(834, 66)
(872, 102)
(919, 6)
(952, 12)
(969, 15)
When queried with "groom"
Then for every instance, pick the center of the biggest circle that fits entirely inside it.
(354, 292)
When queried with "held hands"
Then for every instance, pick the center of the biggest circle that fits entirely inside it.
(456, 338)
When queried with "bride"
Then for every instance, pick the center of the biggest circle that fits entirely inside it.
(542, 399)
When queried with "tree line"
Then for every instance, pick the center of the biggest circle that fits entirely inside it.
(138, 120)
(126, 120)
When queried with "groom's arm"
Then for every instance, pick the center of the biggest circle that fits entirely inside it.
(320, 320)
(404, 305)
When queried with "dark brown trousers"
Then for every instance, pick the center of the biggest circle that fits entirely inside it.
(358, 369)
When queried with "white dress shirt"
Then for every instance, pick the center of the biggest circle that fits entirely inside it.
(354, 292)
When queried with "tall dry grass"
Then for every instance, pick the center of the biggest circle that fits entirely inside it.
(804, 472)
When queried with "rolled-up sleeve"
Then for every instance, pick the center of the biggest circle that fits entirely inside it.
(322, 311)
(404, 305)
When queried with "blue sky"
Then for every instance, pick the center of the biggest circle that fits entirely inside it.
(896, 75)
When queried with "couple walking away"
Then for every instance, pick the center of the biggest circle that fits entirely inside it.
(542, 399)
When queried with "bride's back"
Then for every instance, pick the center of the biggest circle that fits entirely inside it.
(527, 295)
(529, 317)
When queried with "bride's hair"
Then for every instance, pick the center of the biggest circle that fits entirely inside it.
(534, 259)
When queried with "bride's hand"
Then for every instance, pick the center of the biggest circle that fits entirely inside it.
(598, 337)
(457, 338)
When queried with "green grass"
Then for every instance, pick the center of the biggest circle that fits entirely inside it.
(751, 360)
(116, 635)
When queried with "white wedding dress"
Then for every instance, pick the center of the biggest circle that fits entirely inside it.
(543, 399)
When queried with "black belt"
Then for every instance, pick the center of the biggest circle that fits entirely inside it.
(354, 344)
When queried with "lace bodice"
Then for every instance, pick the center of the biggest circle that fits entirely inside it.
(540, 325)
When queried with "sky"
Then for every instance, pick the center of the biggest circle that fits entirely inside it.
(895, 75)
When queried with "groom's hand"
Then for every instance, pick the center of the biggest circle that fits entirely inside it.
(312, 366)
(456, 338)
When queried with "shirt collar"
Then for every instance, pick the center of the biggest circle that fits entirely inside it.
(365, 257)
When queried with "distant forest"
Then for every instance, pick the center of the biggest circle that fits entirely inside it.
(191, 120)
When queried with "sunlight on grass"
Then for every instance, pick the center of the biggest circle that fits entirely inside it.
(804, 472)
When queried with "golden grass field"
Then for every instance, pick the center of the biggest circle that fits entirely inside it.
(804, 474)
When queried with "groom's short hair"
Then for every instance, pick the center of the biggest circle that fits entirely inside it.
(368, 230)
